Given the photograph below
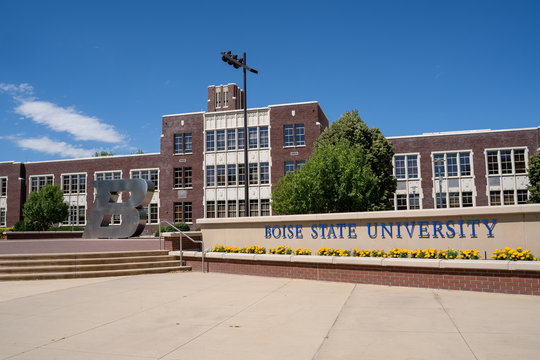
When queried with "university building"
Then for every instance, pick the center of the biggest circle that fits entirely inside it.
(200, 169)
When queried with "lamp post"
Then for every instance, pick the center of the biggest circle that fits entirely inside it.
(440, 180)
(232, 59)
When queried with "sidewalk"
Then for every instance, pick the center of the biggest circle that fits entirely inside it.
(220, 316)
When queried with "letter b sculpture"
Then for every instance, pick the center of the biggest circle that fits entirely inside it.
(132, 211)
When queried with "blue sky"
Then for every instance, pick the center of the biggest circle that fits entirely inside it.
(79, 77)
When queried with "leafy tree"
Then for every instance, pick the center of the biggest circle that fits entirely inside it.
(103, 153)
(44, 208)
(534, 178)
(350, 170)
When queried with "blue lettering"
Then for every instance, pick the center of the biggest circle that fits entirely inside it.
(369, 231)
(437, 226)
(490, 229)
(274, 231)
(412, 228)
(352, 231)
(323, 227)
(314, 234)
(384, 228)
(473, 222)
(331, 230)
(299, 232)
(461, 234)
(341, 229)
(451, 228)
(398, 235)
(267, 232)
(423, 229)
(290, 231)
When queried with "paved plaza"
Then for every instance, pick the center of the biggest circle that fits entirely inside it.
(219, 316)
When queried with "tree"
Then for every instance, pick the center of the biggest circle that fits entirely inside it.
(44, 208)
(350, 170)
(103, 153)
(534, 178)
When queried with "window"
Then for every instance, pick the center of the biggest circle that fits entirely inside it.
(412, 166)
(241, 174)
(231, 208)
(467, 199)
(210, 209)
(401, 201)
(241, 140)
(231, 174)
(183, 212)
(494, 198)
(77, 215)
(152, 211)
(414, 201)
(108, 175)
(265, 207)
(221, 209)
(210, 141)
(263, 137)
(225, 97)
(150, 174)
(37, 182)
(507, 167)
(289, 167)
(508, 197)
(210, 176)
(522, 196)
(241, 208)
(3, 186)
(299, 164)
(465, 163)
(438, 161)
(507, 161)
(519, 161)
(441, 200)
(265, 173)
(252, 138)
(455, 171)
(299, 137)
(288, 137)
(451, 164)
(453, 198)
(399, 167)
(183, 143)
(231, 139)
(220, 139)
(218, 98)
(183, 178)
(2, 217)
(253, 174)
(254, 207)
(220, 175)
(493, 162)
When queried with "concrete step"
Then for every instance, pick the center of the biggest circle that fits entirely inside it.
(83, 255)
(93, 267)
(86, 261)
(87, 274)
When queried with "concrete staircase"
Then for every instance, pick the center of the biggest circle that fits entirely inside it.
(81, 265)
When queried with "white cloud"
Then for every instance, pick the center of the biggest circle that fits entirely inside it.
(69, 120)
(21, 89)
(44, 144)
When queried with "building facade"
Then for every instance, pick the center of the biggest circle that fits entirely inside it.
(200, 170)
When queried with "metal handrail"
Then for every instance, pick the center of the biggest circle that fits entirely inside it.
(186, 235)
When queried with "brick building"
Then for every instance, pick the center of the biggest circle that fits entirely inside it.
(200, 170)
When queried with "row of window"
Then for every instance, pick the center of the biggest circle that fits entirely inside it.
(74, 183)
(234, 174)
(183, 143)
(233, 139)
(294, 135)
(292, 166)
(508, 197)
(77, 215)
(510, 161)
(183, 212)
(222, 97)
(183, 178)
(236, 208)
(454, 199)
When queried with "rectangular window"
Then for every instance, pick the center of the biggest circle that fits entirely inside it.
(37, 182)
(465, 163)
(220, 140)
(241, 139)
(183, 143)
(254, 207)
(151, 174)
(221, 209)
(77, 216)
(299, 135)
(288, 136)
(188, 212)
(231, 174)
(74, 183)
(225, 97)
(218, 98)
(152, 214)
(451, 165)
(506, 161)
(241, 174)
(108, 175)
(231, 139)
(414, 201)
(265, 207)
(183, 178)
(263, 137)
(265, 173)
(508, 197)
(401, 201)
(188, 177)
(466, 199)
(188, 143)
(253, 174)
(299, 164)
(231, 208)
(493, 162)
(399, 167)
(220, 175)
(178, 212)
(453, 199)
(2, 217)
(3, 187)
(289, 167)
(178, 176)
(210, 209)
(522, 196)
(210, 141)
(438, 165)
(519, 161)
(252, 138)
(241, 208)
(412, 166)
(210, 176)
(441, 200)
(494, 198)
(178, 144)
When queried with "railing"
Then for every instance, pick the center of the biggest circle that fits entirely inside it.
(182, 234)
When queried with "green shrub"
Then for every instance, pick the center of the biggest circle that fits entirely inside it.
(19, 226)
(168, 228)
(66, 228)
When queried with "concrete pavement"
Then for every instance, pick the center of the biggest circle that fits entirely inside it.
(220, 316)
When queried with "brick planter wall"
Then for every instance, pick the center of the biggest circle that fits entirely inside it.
(471, 279)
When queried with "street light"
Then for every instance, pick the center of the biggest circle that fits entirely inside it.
(232, 59)
(440, 180)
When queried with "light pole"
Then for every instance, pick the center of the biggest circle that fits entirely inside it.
(440, 180)
(232, 59)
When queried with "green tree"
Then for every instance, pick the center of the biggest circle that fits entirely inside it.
(534, 178)
(103, 153)
(350, 170)
(44, 208)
